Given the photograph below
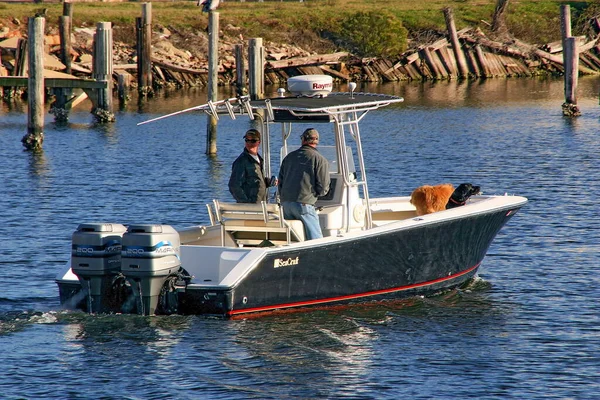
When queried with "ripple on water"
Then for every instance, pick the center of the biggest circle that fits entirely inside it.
(527, 328)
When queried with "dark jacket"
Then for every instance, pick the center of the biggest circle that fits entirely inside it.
(304, 176)
(247, 183)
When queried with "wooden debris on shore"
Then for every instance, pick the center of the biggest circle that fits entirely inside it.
(483, 56)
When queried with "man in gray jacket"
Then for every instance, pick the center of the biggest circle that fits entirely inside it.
(247, 182)
(304, 176)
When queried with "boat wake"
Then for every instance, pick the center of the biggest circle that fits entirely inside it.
(14, 321)
(476, 284)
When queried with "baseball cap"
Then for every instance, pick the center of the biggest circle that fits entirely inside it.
(252, 133)
(311, 135)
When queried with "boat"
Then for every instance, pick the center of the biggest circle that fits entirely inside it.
(250, 259)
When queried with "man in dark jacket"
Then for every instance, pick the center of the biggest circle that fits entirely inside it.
(247, 182)
(304, 176)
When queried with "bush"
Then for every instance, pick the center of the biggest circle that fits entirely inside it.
(374, 34)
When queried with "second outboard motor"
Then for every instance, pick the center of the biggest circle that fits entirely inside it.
(150, 254)
(96, 260)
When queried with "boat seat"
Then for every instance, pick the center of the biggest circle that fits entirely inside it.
(256, 224)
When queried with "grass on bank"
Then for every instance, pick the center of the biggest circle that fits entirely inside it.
(318, 24)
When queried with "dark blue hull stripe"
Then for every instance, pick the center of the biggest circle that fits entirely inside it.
(352, 296)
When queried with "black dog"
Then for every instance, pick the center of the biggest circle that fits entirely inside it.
(461, 195)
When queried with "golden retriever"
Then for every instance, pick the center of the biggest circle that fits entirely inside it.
(428, 199)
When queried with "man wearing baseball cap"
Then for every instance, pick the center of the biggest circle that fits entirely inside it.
(303, 177)
(247, 182)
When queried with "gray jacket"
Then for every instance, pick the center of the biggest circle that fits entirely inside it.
(304, 176)
(247, 182)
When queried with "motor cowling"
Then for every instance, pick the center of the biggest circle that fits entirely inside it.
(96, 260)
(150, 254)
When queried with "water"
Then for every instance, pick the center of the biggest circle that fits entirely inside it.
(527, 328)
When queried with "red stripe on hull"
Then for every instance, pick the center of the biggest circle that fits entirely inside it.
(351, 296)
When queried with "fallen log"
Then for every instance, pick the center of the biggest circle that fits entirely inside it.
(538, 52)
(588, 46)
(310, 60)
(177, 68)
(557, 47)
(125, 66)
(523, 50)
(335, 73)
(500, 47)
(553, 58)
(79, 68)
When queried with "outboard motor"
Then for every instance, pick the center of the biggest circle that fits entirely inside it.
(150, 255)
(96, 260)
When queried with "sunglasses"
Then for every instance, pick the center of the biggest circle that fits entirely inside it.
(251, 140)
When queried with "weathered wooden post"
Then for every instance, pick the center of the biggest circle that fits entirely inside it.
(485, 70)
(68, 10)
(124, 83)
(570, 63)
(565, 21)
(571, 51)
(19, 67)
(240, 70)
(21, 57)
(213, 77)
(103, 70)
(461, 62)
(64, 26)
(60, 107)
(431, 63)
(256, 68)
(34, 138)
(1, 74)
(144, 50)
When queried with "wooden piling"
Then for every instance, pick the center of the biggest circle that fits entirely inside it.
(565, 21)
(68, 10)
(569, 107)
(448, 61)
(413, 71)
(144, 50)
(64, 96)
(61, 105)
(102, 71)
(19, 67)
(123, 85)
(483, 65)
(472, 60)
(442, 64)
(431, 63)
(34, 138)
(256, 68)
(461, 62)
(565, 30)
(20, 57)
(64, 26)
(2, 72)
(240, 70)
(213, 77)
(570, 63)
